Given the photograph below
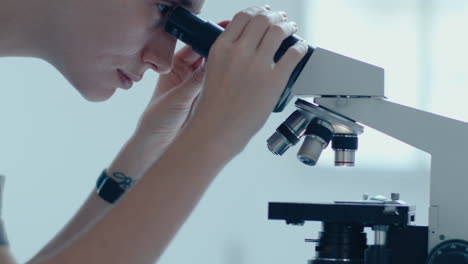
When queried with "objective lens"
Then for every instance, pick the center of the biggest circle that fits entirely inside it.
(318, 135)
(345, 146)
(288, 133)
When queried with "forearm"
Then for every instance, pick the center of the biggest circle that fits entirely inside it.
(90, 212)
(6, 256)
(132, 160)
(141, 225)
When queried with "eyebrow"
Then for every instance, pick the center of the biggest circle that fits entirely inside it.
(187, 4)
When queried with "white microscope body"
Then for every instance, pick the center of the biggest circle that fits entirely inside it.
(355, 90)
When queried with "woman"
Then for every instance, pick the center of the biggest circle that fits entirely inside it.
(182, 140)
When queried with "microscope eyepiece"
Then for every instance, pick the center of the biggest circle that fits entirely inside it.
(192, 30)
(200, 35)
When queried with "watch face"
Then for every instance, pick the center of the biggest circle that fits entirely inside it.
(109, 189)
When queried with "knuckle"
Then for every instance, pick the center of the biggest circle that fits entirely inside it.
(241, 49)
(278, 29)
(198, 76)
(257, 8)
(262, 17)
(243, 15)
(221, 45)
(297, 51)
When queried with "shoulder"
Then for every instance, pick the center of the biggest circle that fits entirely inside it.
(5, 256)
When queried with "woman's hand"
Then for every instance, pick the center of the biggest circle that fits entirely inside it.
(164, 116)
(243, 83)
(173, 97)
(241, 86)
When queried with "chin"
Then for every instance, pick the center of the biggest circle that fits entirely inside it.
(96, 94)
(92, 86)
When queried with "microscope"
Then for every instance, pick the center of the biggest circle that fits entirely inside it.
(347, 94)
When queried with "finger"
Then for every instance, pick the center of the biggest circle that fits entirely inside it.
(224, 23)
(186, 56)
(259, 25)
(236, 27)
(184, 64)
(290, 59)
(198, 63)
(186, 92)
(274, 37)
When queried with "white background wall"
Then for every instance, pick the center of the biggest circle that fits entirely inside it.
(53, 144)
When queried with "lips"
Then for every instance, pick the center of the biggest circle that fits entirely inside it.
(125, 81)
(127, 78)
(133, 77)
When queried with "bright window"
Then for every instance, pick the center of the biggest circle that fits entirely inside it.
(422, 45)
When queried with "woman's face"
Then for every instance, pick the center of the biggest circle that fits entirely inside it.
(100, 39)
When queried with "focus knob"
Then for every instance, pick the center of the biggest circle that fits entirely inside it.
(449, 252)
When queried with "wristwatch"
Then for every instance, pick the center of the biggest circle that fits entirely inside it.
(110, 189)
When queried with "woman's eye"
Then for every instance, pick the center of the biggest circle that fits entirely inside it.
(163, 8)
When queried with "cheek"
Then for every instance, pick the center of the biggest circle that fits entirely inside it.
(128, 34)
(106, 46)
(122, 28)
(124, 39)
(108, 38)
(94, 77)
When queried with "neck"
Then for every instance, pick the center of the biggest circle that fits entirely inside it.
(27, 28)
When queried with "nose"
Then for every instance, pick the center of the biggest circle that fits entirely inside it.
(158, 54)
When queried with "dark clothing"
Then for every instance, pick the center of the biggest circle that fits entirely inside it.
(3, 236)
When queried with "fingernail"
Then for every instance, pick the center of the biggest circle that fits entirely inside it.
(267, 7)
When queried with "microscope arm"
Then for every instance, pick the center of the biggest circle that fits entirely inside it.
(443, 138)
(426, 131)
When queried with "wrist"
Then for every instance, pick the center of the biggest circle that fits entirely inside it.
(227, 143)
(138, 153)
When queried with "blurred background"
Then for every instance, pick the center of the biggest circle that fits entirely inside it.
(54, 144)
